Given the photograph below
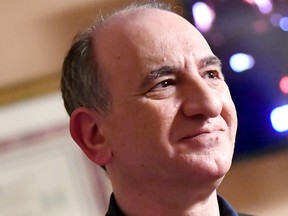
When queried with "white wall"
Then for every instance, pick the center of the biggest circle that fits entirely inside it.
(42, 171)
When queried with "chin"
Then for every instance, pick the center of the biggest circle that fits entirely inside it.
(219, 168)
(213, 167)
(218, 162)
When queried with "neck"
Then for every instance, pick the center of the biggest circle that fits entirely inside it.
(150, 202)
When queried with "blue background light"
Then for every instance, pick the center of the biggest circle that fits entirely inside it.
(284, 24)
(240, 62)
(279, 118)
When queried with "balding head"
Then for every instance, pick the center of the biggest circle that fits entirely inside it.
(170, 118)
(165, 84)
(82, 83)
(149, 103)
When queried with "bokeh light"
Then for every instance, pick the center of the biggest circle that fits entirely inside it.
(283, 24)
(279, 118)
(264, 6)
(203, 16)
(241, 62)
(283, 84)
(275, 19)
(249, 36)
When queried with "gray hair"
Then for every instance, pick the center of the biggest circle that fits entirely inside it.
(82, 84)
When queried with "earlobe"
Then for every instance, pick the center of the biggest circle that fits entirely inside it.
(85, 129)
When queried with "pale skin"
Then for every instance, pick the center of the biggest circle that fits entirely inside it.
(168, 139)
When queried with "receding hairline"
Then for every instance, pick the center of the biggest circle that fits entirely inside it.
(88, 36)
(138, 8)
(131, 17)
(132, 11)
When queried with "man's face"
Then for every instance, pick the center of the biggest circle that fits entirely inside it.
(172, 117)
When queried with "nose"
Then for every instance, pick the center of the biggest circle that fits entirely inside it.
(201, 99)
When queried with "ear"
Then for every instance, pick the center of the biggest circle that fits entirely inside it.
(85, 129)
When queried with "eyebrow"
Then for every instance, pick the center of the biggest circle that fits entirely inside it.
(159, 72)
(210, 61)
(169, 70)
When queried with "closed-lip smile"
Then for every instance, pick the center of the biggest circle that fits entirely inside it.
(200, 132)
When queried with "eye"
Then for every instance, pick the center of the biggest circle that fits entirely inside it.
(213, 74)
(164, 84)
(162, 90)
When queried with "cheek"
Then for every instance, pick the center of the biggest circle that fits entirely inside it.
(141, 136)
(154, 121)
(144, 125)
(229, 112)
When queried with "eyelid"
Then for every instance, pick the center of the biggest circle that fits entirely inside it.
(215, 72)
(218, 71)
(160, 90)
(170, 80)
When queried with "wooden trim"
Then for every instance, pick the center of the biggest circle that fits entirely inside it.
(28, 89)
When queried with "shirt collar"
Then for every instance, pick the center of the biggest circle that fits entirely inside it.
(224, 207)
(113, 209)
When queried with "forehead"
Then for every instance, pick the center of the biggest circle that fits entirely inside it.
(139, 40)
(148, 25)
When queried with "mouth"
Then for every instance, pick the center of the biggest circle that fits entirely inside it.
(203, 135)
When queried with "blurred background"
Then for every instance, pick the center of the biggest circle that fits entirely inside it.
(42, 172)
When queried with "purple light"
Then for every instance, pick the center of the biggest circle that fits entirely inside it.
(265, 6)
(275, 19)
(203, 16)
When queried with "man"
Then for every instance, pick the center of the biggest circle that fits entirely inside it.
(148, 102)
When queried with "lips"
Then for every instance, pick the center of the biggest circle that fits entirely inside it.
(202, 132)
